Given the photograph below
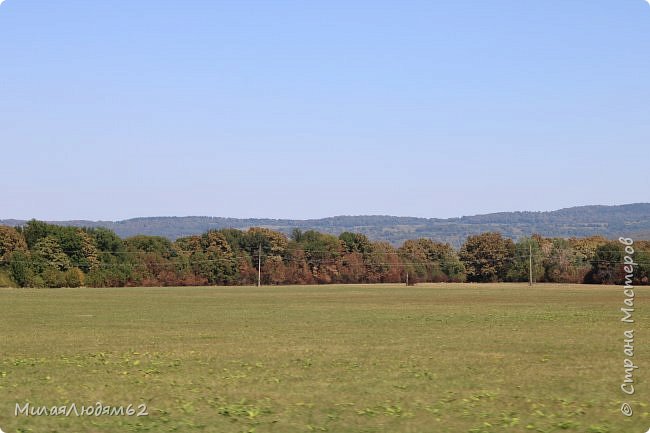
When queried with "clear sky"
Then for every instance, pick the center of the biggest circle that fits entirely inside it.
(303, 109)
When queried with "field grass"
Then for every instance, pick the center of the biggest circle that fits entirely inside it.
(5, 280)
(382, 358)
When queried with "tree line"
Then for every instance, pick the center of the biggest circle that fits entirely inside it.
(39, 254)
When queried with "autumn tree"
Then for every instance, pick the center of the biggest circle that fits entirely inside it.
(585, 248)
(322, 253)
(88, 252)
(298, 271)
(383, 265)
(185, 249)
(427, 260)
(10, 240)
(563, 264)
(642, 258)
(352, 268)
(356, 258)
(487, 257)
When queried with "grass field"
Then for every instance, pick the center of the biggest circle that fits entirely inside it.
(382, 358)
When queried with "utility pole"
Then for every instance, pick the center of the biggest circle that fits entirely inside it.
(530, 264)
(259, 267)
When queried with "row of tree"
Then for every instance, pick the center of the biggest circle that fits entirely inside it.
(45, 255)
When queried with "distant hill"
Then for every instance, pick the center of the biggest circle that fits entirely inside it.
(610, 221)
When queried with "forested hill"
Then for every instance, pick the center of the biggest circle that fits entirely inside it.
(610, 221)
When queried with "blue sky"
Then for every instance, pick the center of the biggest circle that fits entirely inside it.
(304, 109)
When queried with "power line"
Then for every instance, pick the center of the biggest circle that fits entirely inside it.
(316, 261)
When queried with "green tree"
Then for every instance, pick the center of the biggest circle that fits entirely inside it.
(35, 230)
(116, 266)
(50, 253)
(519, 270)
(210, 257)
(296, 235)
(106, 240)
(273, 243)
(355, 243)
(157, 245)
(642, 258)
(607, 264)
(235, 238)
(21, 268)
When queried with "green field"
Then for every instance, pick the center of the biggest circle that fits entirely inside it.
(381, 358)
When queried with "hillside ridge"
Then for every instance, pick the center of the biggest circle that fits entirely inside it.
(631, 220)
